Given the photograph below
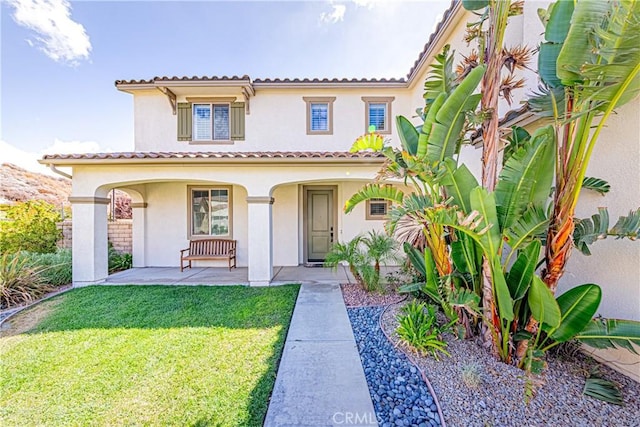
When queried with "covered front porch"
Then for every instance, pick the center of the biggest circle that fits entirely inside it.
(223, 276)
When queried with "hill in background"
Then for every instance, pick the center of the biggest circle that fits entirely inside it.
(21, 185)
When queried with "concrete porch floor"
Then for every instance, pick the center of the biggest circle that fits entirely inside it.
(222, 276)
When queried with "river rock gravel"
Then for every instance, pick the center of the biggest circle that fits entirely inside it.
(400, 395)
(499, 397)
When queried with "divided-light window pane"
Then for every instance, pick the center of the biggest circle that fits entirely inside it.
(210, 212)
(377, 115)
(378, 207)
(221, 123)
(319, 116)
(202, 122)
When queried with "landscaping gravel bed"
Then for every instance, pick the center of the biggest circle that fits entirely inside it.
(355, 296)
(499, 399)
(400, 395)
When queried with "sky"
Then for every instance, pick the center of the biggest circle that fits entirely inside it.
(59, 59)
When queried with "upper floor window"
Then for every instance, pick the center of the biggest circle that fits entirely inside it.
(319, 115)
(211, 122)
(378, 113)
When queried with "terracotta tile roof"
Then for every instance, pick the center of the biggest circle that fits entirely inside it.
(335, 80)
(184, 79)
(326, 155)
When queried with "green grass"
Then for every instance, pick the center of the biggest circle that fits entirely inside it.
(151, 355)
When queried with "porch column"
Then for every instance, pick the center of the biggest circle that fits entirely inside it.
(138, 234)
(90, 263)
(260, 240)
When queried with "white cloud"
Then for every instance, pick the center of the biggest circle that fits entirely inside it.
(29, 160)
(336, 15)
(56, 34)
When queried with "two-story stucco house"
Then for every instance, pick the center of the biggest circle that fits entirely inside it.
(266, 162)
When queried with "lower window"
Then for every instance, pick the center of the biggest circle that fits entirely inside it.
(377, 209)
(210, 212)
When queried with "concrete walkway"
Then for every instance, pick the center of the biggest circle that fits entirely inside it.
(320, 380)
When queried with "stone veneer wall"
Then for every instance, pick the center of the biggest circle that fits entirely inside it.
(118, 232)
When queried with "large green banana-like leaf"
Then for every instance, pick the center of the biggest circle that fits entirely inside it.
(531, 225)
(578, 48)
(617, 67)
(371, 141)
(609, 333)
(542, 303)
(458, 182)
(465, 255)
(441, 77)
(588, 230)
(596, 184)
(526, 177)
(484, 203)
(416, 258)
(503, 298)
(475, 4)
(519, 136)
(431, 277)
(577, 307)
(413, 205)
(450, 117)
(408, 135)
(522, 271)
(374, 191)
(555, 35)
(427, 126)
(466, 299)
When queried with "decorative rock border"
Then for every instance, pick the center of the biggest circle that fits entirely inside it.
(400, 392)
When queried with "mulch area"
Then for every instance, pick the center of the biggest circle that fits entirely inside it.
(355, 296)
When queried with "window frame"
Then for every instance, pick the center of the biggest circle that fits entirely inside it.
(387, 100)
(212, 105)
(329, 100)
(190, 190)
(373, 217)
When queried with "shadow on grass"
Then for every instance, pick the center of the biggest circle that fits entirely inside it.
(152, 307)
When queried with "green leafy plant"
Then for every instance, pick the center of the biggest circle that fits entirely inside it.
(30, 226)
(602, 389)
(19, 283)
(351, 253)
(418, 328)
(119, 261)
(55, 268)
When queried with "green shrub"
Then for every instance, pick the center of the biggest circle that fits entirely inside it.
(30, 226)
(119, 261)
(419, 329)
(19, 282)
(55, 269)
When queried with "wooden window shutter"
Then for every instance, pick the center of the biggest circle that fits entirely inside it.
(237, 121)
(184, 121)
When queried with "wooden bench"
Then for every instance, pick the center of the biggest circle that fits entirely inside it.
(209, 249)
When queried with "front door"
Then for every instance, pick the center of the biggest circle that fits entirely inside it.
(319, 227)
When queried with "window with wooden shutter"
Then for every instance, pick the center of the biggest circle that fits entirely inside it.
(237, 121)
(184, 121)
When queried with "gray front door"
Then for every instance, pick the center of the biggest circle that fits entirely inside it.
(319, 218)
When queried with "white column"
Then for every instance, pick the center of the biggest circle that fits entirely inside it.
(138, 234)
(90, 263)
(260, 240)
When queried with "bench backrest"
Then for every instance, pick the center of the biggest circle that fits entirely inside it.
(211, 246)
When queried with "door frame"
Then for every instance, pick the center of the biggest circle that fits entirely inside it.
(305, 191)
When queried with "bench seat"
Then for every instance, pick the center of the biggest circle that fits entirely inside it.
(208, 249)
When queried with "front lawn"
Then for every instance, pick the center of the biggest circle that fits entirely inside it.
(145, 355)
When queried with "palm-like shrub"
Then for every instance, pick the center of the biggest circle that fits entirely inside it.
(351, 253)
(19, 282)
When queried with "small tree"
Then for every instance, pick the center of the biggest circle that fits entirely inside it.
(30, 226)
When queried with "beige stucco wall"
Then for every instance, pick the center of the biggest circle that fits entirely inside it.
(277, 121)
